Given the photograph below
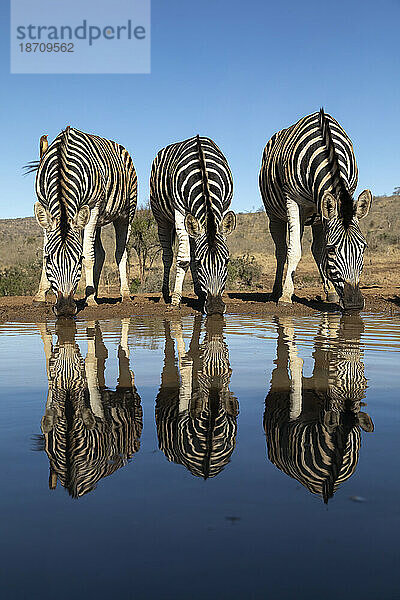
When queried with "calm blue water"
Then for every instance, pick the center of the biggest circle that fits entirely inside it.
(247, 459)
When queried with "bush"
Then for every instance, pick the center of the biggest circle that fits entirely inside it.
(134, 285)
(243, 271)
(144, 240)
(20, 280)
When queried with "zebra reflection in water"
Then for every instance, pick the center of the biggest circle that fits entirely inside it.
(195, 411)
(312, 424)
(89, 431)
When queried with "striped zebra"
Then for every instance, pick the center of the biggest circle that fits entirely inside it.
(83, 182)
(195, 410)
(312, 424)
(308, 177)
(89, 431)
(191, 189)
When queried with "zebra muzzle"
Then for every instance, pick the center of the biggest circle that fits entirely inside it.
(214, 305)
(65, 305)
(352, 298)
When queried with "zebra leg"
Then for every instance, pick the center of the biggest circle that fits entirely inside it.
(295, 368)
(126, 378)
(165, 237)
(278, 229)
(47, 340)
(89, 236)
(44, 285)
(185, 363)
(92, 372)
(183, 258)
(122, 229)
(99, 256)
(169, 374)
(317, 249)
(193, 269)
(294, 249)
(49, 418)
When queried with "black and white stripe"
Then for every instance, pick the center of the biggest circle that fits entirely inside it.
(195, 411)
(308, 177)
(83, 182)
(191, 190)
(312, 425)
(89, 433)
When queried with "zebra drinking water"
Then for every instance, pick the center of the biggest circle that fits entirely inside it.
(312, 424)
(196, 412)
(89, 431)
(191, 189)
(308, 176)
(83, 182)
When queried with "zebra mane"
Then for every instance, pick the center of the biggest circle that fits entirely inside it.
(61, 174)
(211, 225)
(340, 440)
(345, 200)
(214, 404)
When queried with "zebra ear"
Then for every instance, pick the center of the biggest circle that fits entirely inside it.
(363, 204)
(365, 422)
(329, 209)
(82, 218)
(228, 223)
(43, 217)
(192, 226)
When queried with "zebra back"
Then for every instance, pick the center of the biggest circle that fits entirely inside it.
(193, 177)
(80, 168)
(304, 161)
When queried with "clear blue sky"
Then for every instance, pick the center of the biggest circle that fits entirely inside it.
(234, 71)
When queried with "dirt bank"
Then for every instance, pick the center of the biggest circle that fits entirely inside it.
(22, 309)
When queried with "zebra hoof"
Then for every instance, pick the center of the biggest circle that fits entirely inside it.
(126, 298)
(172, 307)
(176, 300)
(332, 297)
(285, 300)
(91, 301)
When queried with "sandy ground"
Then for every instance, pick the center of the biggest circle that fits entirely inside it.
(378, 299)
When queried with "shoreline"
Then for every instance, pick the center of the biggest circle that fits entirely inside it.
(257, 303)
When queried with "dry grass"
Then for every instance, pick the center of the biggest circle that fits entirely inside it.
(21, 244)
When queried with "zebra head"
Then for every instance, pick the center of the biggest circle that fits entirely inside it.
(212, 257)
(343, 251)
(63, 254)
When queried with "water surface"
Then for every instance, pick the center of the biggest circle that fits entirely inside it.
(192, 458)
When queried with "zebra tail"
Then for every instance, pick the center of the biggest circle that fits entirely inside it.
(211, 226)
(30, 167)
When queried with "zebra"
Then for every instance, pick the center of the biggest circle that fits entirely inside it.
(308, 177)
(195, 410)
(89, 431)
(191, 189)
(83, 182)
(312, 424)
